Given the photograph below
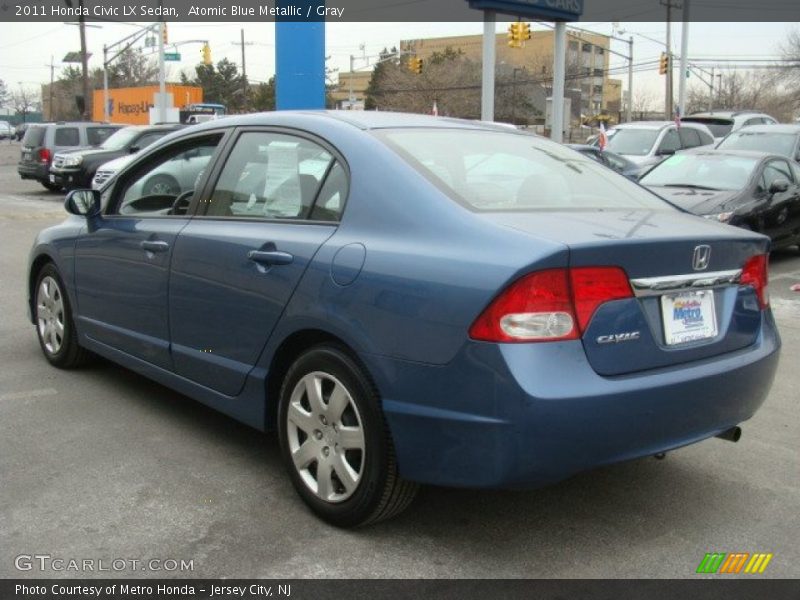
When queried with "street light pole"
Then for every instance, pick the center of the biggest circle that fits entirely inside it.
(629, 110)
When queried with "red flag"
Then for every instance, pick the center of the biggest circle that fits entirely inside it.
(602, 138)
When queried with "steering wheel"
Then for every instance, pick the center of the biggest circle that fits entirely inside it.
(181, 204)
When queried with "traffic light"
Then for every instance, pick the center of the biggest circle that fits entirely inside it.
(206, 51)
(517, 33)
(164, 33)
(415, 65)
(663, 64)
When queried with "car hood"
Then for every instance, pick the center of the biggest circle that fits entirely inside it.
(642, 161)
(699, 202)
(91, 152)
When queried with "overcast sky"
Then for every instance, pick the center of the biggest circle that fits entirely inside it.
(26, 51)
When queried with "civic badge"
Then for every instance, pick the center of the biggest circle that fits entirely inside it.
(701, 258)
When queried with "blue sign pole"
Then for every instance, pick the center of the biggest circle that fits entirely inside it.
(300, 59)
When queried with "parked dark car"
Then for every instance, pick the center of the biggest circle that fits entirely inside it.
(76, 168)
(777, 139)
(43, 140)
(409, 299)
(752, 190)
(614, 161)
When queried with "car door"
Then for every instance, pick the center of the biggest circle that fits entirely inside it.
(781, 212)
(122, 260)
(236, 267)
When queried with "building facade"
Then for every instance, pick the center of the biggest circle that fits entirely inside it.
(587, 64)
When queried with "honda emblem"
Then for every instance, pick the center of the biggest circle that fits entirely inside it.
(702, 256)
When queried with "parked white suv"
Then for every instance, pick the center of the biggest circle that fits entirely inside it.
(647, 143)
(722, 122)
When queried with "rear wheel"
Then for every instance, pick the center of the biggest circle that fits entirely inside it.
(54, 326)
(335, 442)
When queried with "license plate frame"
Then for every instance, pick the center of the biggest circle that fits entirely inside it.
(688, 317)
(52, 178)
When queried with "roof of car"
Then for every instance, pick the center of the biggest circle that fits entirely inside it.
(742, 153)
(649, 125)
(360, 119)
(774, 128)
(727, 113)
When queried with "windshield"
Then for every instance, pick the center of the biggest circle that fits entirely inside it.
(498, 171)
(637, 142)
(718, 172)
(719, 127)
(777, 143)
(120, 139)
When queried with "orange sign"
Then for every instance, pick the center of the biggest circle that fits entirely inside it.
(132, 105)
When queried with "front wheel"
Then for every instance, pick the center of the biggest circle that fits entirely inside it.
(54, 326)
(335, 442)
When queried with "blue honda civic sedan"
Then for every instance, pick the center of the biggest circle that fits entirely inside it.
(409, 299)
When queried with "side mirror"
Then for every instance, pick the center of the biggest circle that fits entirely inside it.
(779, 186)
(665, 152)
(83, 203)
(133, 149)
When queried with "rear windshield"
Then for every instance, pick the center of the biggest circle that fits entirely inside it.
(636, 142)
(34, 136)
(498, 171)
(97, 135)
(704, 171)
(778, 143)
(719, 127)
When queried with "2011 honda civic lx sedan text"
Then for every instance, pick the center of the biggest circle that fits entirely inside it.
(410, 299)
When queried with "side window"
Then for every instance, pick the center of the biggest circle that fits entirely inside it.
(97, 135)
(705, 138)
(670, 141)
(67, 136)
(774, 170)
(148, 138)
(753, 121)
(165, 185)
(270, 176)
(330, 201)
(689, 137)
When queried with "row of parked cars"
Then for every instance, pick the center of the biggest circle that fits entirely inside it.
(738, 167)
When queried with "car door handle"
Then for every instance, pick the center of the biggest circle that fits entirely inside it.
(270, 257)
(154, 246)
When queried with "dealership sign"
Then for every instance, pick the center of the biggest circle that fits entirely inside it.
(551, 10)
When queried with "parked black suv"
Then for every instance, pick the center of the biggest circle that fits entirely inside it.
(43, 140)
(76, 168)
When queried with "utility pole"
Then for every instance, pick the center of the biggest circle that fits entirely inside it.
(87, 99)
(668, 78)
(684, 59)
(162, 74)
(711, 93)
(52, 83)
(629, 110)
(488, 61)
(244, 66)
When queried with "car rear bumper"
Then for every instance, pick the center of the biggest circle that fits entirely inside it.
(38, 171)
(525, 415)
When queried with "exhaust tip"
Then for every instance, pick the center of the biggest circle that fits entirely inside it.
(733, 434)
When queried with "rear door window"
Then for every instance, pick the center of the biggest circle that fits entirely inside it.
(67, 136)
(670, 142)
(97, 135)
(689, 137)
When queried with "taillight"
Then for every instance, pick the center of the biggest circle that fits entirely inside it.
(754, 274)
(551, 305)
(45, 155)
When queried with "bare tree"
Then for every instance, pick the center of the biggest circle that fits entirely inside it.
(24, 102)
(644, 101)
(3, 93)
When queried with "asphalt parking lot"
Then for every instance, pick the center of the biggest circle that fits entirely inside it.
(101, 463)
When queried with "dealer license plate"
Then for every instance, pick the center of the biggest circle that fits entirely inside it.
(688, 317)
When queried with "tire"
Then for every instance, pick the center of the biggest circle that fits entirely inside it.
(159, 185)
(53, 187)
(359, 483)
(54, 325)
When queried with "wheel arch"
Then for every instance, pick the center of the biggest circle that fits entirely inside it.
(37, 264)
(286, 353)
